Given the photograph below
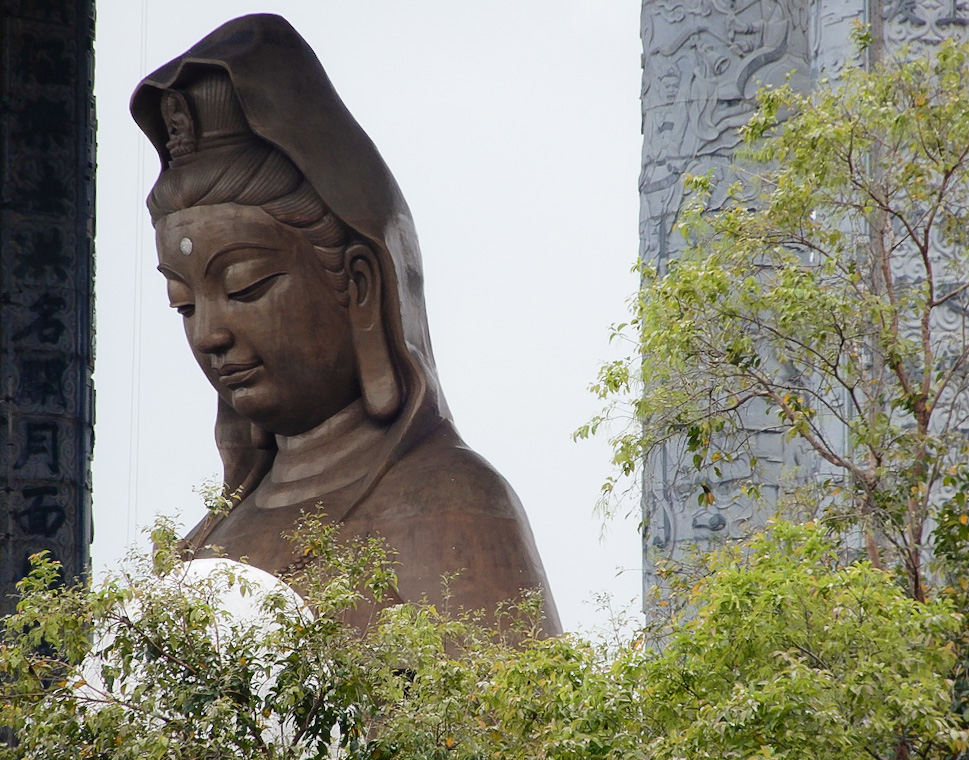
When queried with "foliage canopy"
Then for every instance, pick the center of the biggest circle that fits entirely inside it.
(827, 299)
(789, 654)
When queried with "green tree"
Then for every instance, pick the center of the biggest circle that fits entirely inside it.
(788, 654)
(793, 654)
(151, 664)
(827, 294)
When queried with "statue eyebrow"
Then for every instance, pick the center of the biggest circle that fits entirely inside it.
(235, 247)
(171, 274)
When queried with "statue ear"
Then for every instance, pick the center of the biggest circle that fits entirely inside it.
(375, 367)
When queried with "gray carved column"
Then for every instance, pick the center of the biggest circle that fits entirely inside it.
(703, 62)
(46, 284)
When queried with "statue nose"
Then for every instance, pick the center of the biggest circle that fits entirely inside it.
(214, 341)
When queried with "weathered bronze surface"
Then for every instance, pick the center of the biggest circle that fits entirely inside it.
(292, 257)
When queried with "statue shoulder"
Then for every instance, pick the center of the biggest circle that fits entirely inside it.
(443, 474)
(449, 513)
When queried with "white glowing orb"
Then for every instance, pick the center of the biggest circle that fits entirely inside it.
(238, 592)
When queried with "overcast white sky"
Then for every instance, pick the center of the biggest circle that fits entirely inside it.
(512, 127)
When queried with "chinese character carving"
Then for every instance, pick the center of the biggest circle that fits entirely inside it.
(41, 517)
(45, 125)
(40, 440)
(40, 251)
(41, 380)
(46, 326)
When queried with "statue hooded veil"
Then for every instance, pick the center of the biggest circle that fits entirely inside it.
(289, 102)
(437, 502)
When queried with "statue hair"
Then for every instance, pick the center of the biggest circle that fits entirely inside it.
(253, 173)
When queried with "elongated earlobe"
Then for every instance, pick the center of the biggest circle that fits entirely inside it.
(375, 367)
(247, 451)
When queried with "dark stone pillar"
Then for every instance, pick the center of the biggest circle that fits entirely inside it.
(46, 284)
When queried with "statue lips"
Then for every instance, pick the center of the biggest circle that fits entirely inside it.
(236, 374)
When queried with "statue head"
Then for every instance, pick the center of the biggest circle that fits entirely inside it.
(286, 245)
(281, 304)
(669, 79)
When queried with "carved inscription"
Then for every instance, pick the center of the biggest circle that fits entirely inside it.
(60, 12)
(46, 219)
(41, 253)
(43, 516)
(46, 125)
(42, 380)
(40, 440)
(47, 324)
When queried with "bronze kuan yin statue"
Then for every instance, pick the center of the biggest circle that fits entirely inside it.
(292, 258)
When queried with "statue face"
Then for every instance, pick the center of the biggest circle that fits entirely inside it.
(260, 315)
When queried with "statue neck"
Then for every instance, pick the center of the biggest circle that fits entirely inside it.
(323, 464)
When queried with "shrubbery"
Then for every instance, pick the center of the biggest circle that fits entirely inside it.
(786, 653)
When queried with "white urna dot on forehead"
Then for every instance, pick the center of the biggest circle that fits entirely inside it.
(185, 245)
